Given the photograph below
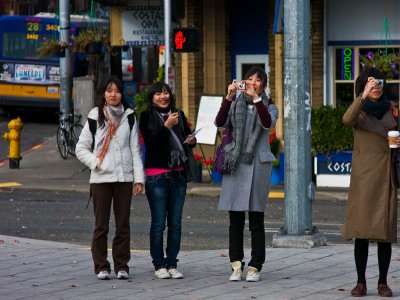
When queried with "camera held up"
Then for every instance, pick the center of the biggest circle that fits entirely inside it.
(379, 83)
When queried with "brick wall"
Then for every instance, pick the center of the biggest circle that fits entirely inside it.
(189, 66)
(271, 47)
(317, 53)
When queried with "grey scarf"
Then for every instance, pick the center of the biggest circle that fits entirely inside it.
(177, 154)
(239, 149)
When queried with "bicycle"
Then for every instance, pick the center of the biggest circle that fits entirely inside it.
(68, 134)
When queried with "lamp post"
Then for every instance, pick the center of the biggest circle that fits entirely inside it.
(65, 62)
(167, 35)
(298, 230)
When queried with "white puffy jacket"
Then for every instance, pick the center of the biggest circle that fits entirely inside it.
(123, 160)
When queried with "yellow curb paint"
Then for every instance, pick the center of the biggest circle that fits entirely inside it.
(9, 184)
(276, 195)
(36, 147)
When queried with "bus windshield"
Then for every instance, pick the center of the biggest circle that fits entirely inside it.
(18, 46)
(27, 78)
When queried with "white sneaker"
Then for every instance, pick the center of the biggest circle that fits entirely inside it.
(103, 275)
(122, 275)
(253, 274)
(237, 271)
(162, 273)
(175, 274)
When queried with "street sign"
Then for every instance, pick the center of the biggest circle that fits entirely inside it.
(143, 23)
(337, 163)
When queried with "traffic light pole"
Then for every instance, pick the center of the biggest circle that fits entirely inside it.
(167, 35)
(65, 62)
(298, 231)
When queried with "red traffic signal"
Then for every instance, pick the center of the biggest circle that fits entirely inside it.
(186, 39)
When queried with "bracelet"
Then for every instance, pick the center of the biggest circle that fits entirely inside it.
(257, 100)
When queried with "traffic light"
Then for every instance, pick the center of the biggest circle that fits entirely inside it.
(186, 39)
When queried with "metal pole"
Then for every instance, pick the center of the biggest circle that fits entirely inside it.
(65, 62)
(167, 33)
(297, 109)
(299, 189)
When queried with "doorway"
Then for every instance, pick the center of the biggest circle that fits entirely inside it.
(245, 62)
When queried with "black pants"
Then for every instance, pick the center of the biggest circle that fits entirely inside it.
(256, 226)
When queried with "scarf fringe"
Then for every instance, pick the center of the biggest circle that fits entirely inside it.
(247, 158)
(233, 151)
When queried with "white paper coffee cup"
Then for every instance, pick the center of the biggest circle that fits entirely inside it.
(392, 137)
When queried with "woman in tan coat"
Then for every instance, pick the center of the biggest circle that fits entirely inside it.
(371, 213)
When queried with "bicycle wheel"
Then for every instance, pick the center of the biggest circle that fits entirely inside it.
(62, 142)
(75, 132)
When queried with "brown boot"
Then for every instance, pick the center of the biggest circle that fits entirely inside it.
(359, 290)
(384, 290)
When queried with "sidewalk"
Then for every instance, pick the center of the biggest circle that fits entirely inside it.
(34, 269)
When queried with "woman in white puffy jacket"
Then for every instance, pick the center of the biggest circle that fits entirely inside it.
(112, 152)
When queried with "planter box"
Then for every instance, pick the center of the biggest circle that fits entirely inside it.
(278, 172)
(275, 176)
(216, 178)
(333, 169)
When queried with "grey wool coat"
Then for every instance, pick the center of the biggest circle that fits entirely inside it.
(248, 188)
(371, 211)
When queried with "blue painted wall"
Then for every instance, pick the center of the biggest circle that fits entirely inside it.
(248, 28)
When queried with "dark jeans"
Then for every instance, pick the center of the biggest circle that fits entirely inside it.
(120, 195)
(166, 195)
(256, 226)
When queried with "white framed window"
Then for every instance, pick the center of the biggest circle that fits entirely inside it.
(347, 64)
(245, 62)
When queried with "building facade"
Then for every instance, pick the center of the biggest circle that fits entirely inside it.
(344, 35)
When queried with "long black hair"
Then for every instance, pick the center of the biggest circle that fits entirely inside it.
(158, 87)
(107, 82)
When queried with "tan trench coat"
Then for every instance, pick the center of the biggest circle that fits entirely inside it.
(371, 211)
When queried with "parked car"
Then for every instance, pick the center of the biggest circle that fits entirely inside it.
(127, 65)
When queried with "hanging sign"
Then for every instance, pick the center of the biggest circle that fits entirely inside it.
(143, 23)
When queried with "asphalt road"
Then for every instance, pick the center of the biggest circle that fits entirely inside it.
(62, 216)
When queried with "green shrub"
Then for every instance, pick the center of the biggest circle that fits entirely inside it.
(140, 101)
(328, 133)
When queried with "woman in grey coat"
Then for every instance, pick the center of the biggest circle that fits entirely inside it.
(249, 158)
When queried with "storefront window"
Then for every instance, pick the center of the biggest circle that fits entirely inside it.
(392, 91)
(344, 93)
(349, 62)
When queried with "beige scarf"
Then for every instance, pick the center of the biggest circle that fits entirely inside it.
(113, 116)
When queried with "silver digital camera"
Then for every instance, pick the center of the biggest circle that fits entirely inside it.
(379, 83)
(241, 85)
